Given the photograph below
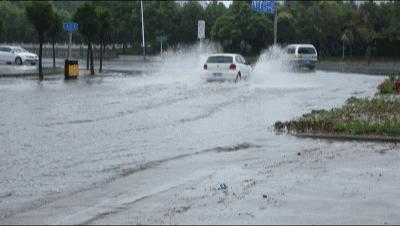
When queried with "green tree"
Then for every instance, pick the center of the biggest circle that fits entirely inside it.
(126, 21)
(41, 15)
(56, 29)
(161, 18)
(366, 29)
(190, 13)
(213, 11)
(286, 28)
(16, 26)
(105, 20)
(1, 28)
(87, 18)
(259, 32)
(225, 32)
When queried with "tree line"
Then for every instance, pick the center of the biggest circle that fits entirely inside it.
(336, 28)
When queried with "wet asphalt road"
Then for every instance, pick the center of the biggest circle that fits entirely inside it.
(59, 137)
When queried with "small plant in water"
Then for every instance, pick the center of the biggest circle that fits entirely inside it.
(391, 85)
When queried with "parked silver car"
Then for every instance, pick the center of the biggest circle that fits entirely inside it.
(17, 55)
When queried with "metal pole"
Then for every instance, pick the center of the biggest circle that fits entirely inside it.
(201, 46)
(143, 42)
(69, 45)
(161, 48)
(275, 24)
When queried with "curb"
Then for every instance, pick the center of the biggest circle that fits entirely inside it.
(348, 137)
(46, 72)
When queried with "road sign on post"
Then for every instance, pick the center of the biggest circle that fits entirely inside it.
(161, 39)
(201, 32)
(201, 27)
(267, 6)
(264, 6)
(70, 27)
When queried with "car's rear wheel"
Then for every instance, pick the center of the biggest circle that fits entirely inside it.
(18, 61)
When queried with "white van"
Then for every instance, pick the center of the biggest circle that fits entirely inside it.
(302, 55)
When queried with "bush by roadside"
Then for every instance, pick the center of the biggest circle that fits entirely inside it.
(391, 85)
(378, 116)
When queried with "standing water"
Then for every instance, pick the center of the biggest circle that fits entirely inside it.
(58, 138)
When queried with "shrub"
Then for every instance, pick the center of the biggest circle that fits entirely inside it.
(391, 85)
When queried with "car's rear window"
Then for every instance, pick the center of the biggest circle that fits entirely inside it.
(306, 50)
(5, 49)
(220, 59)
(291, 50)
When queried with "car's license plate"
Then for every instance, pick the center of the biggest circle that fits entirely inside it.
(306, 62)
(217, 74)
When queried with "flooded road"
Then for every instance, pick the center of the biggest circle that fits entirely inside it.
(98, 143)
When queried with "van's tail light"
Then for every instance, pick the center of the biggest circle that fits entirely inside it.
(205, 67)
(232, 67)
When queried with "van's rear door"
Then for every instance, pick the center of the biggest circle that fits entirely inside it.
(307, 54)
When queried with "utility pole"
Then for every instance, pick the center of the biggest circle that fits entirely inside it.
(143, 42)
(69, 44)
(275, 25)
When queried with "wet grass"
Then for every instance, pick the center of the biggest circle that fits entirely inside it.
(379, 116)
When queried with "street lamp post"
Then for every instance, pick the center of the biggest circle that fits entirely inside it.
(143, 42)
(275, 25)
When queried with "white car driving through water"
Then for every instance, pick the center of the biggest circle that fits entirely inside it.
(17, 55)
(225, 66)
(302, 55)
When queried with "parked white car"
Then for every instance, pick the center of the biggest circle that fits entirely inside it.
(17, 55)
(302, 55)
(224, 66)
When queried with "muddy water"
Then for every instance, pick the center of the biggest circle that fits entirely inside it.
(58, 138)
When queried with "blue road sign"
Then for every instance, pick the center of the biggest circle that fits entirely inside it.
(70, 26)
(161, 38)
(263, 6)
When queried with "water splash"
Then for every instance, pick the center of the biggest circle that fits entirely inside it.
(272, 70)
(185, 63)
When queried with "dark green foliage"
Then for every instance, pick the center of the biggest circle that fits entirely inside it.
(105, 30)
(41, 15)
(86, 16)
(1, 28)
(190, 13)
(390, 86)
(56, 29)
(364, 29)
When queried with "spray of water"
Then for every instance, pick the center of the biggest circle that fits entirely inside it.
(273, 70)
(185, 63)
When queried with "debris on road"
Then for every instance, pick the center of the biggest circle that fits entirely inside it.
(222, 186)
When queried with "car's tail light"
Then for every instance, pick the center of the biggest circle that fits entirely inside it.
(232, 67)
(205, 67)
